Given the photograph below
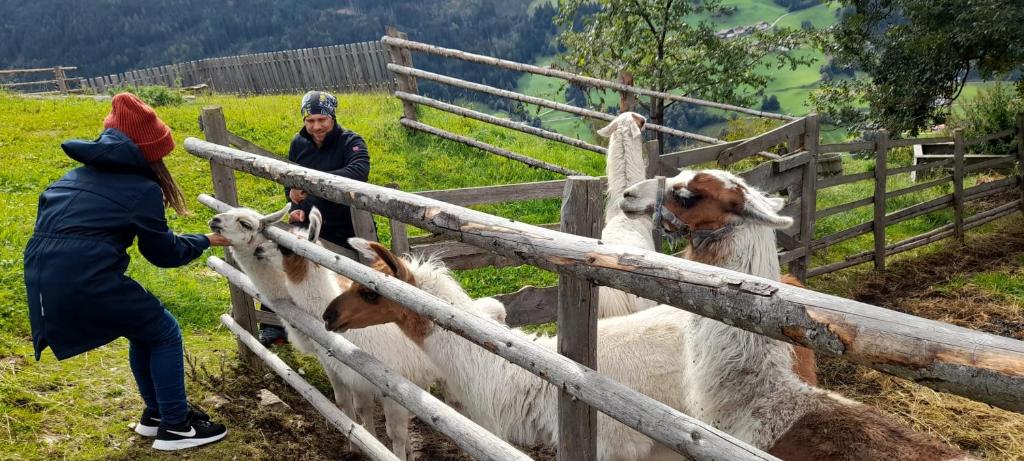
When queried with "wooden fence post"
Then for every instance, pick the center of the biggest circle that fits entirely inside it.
(653, 153)
(1020, 158)
(62, 83)
(406, 83)
(582, 210)
(243, 310)
(958, 184)
(399, 233)
(808, 198)
(881, 176)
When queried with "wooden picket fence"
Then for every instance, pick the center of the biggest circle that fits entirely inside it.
(354, 67)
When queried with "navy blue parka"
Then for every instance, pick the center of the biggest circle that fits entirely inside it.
(79, 297)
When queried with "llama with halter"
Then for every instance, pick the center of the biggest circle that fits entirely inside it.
(643, 350)
(624, 166)
(744, 383)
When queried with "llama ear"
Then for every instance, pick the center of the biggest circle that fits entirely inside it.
(276, 216)
(638, 123)
(765, 210)
(362, 246)
(316, 222)
(632, 121)
(378, 256)
(397, 267)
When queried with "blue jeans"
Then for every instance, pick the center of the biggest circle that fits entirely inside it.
(157, 359)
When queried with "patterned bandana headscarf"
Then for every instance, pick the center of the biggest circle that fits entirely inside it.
(319, 103)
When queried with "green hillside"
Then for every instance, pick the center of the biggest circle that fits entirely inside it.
(791, 87)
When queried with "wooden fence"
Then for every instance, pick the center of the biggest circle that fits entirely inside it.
(60, 83)
(882, 217)
(973, 364)
(355, 67)
(794, 174)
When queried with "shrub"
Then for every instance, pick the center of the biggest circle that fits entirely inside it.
(152, 95)
(992, 109)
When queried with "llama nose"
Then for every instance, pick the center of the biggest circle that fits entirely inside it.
(330, 316)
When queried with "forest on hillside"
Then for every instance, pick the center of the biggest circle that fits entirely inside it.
(107, 36)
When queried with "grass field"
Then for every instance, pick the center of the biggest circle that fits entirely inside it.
(52, 409)
(80, 408)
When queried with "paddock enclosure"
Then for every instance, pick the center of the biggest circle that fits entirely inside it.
(972, 364)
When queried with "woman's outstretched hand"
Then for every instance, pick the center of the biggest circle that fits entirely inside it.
(218, 240)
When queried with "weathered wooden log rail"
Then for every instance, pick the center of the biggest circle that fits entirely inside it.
(569, 76)
(467, 434)
(655, 419)
(355, 432)
(969, 363)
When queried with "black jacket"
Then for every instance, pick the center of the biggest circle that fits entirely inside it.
(78, 295)
(344, 154)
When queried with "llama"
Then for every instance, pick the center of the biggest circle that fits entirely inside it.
(643, 350)
(624, 167)
(312, 287)
(244, 228)
(741, 382)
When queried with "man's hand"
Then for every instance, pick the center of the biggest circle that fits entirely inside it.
(296, 195)
(297, 216)
(218, 240)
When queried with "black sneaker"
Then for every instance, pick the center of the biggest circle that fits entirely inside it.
(149, 423)
(272, 335)
(191, 433)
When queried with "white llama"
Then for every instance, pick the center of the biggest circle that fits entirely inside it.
(312, 287)
(744, 383)
(624, 166)
(644, 351)
(244, 228)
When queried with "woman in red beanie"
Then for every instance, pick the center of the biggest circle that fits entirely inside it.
(78, 296)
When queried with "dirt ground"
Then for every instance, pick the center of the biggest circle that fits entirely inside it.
(912, 285)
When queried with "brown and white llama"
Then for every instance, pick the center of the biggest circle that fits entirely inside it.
(313, 287)
(644, 350)
(744, 383)
(624, 166)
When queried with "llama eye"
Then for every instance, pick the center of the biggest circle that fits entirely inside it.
(691, 201)
(370, 296)
(245, 225)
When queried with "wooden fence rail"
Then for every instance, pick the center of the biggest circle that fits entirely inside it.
(881, 144)
(355, 432)
(677, 431)
(354, 67)
(467, 434)
(60, 83)
(571, 77)
(973, 364)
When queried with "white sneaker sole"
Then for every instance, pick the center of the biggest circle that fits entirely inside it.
(171, 445)
(146, 431)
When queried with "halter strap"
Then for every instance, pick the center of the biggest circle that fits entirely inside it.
(698, 238)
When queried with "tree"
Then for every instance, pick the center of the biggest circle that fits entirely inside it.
(918, 55)
(770, 103)
(665, 49)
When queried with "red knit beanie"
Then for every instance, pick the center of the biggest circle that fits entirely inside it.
(137, 120)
